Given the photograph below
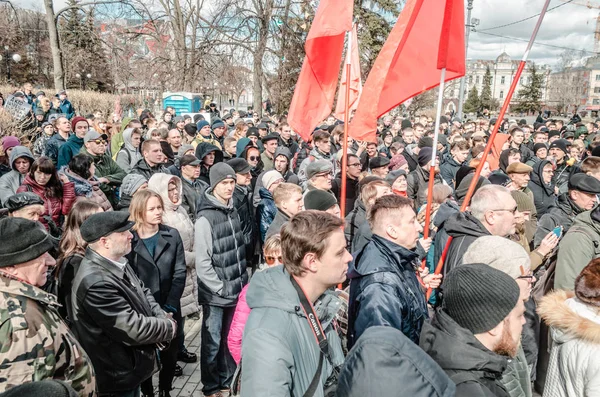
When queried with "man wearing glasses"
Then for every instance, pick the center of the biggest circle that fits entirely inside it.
(352, 174)
(108, 171)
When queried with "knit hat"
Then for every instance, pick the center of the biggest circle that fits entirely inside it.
(560, 144)
(217, 124)
(479, 297)
(397, 161)
(201, 124)
(240, 166)
(39, 111)
(319, 200)
(518, 168)
(77, 120)
(10, 142)
(393, 175)
(318, 167)
(584, 183)
(500, 253)
(104, 224)
(131, 183)
(178, 119)
(405, 124)
(539, 146)
(425, 156)
(425, 141)
(22, 240)
(219, 172)
(270, 177)
(524, 202)
(21, 200)
(190, 129)
(587, 284)
(553, 133)
(183, 149)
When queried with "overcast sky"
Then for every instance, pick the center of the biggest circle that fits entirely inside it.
(572, 26)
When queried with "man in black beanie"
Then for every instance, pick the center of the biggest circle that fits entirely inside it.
(418, 179)
(477, 329)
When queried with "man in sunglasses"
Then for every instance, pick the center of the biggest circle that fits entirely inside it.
(108, 171)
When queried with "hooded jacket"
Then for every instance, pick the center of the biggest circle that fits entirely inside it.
(575, 331)
(384, 361)
(220, 252)
(475, 369)
(444, 212)
(130, 185)
(448, 169)
(128, 156)
(265, 212)
(417, 182)
(464, 229)
(280, 354)
(384, 290)
(202, 150)
(543, 194)
(10, 182)
(176, 217)
(117, 140)
(563, 214)
(69, 150)
(146, 171)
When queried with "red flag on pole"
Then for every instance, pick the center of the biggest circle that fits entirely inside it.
(355, 80)
(494, 157)
(315, 90)
(409, 62)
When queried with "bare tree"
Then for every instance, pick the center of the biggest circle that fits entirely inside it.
(568, 86)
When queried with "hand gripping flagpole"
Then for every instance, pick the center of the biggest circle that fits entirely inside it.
(490, 143)
(346, 122)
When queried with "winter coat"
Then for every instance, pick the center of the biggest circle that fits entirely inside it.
(561, 176)
(118, 323)
(10, 182)
(384, 290)
(116, 140)
(56, 207)
(563, 214)
(575, 355)
(175, 216)
(131, 184)
(236, 331)
(356, 218)
(288, 175)
(128, 156)
(142, 168)
(265, 212)
(242, 202)
(39, 147)
(89, 189)
(67, 109)
(352, 191)
(577, 248)
(444, 212)
(192, 191)
(281, 218)
(448, 169)
(417, 182)
(526, 153)
(464, 228)
(220, 252)
(543, 193)
(280, 353)
(516, 379)
(202, 150)
(384, 361)
(107, 168)
(53, 146)
(267, 161)
(475, 369)
(69, 150)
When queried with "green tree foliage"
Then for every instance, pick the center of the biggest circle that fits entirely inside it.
(530, 96)
(472, 104)
(486, 100)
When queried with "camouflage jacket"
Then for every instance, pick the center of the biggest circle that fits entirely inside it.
(35, 344)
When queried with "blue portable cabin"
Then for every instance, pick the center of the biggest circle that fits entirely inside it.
(182, 102)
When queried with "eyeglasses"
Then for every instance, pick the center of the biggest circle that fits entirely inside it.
(325, 174)
(99, 141)
(529, 276)
(253, 158)
(271, 259)
(354, 165)
(513, 210)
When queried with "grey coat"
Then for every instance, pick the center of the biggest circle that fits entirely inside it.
(9, 183)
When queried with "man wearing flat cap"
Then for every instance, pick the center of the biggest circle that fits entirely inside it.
(319, 176)
(115, 317)
(35, 344)
(519, 180)
(27, 205)
(268, 155)
(379, 166)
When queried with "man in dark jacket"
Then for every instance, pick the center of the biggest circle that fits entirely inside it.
(492, 213)
(192, 186)
(152, 161)
(282, 165)
(63, 129)
(285, 139)
(242, 202)
(208, 154)
(116, 318)
(221, 267)
(559, 151)
(478, 329)
(74, 143)
(459, 153)
(384, 289)
(352, 174)
(418, 180)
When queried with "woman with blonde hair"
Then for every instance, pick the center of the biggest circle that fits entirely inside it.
(240, 130)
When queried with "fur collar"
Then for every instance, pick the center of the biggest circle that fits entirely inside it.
(554, 310)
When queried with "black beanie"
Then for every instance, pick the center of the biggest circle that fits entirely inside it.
(22, 240)
(539, 146)
(425, 141)
(319, 200)
(479, 297)
(425, 156)
(405, 124)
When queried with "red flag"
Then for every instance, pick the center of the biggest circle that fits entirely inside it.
(428, 34)
(355, 81)
(315, 89)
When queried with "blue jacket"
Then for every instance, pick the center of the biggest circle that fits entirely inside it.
(67, 109)
(384, 290)
(265, 212)
(53, 146)
(69, 150)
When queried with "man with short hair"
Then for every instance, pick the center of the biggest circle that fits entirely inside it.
(408, 135)
(36, 344)
(384, 289)
(65, 105)
(290, 338)
(286, 140)
(192, 186)
(288, 200)
(174, 140)
(63, 128)
(268, 155)
(321, 151)
(221, 266)
(114, 316)
(152, 161)
(352, 175)
(242, 202)
(478, 329)
(459, 153)
(418, 180)
(74, 143)
(517, 141)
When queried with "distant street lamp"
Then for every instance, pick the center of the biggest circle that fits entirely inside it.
(83, 77)
(16, 58)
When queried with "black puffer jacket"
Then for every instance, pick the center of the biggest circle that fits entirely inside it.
(118, 323)
(562, 213)
(543, 194)
(354, 220)
(242, 202)
(464, 228)
(475, 369)
(146, 171)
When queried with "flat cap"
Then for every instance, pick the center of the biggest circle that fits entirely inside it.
(272, 136)
(378, 162)
(103, 224)
(584, 183)
(240, 166)
(518, 168)
(189, 159)
(263, 126)
(20, 200)
(318, 167)
(319, 200)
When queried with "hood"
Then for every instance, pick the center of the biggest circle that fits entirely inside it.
(205, 148)
(384, 361)
(241, 146)
(127, 139)
(209, 202)
(159, 183)
(566, 205)
(283, 151)
(456, 349)
(124, 124)
(131, 183)
(537, 179)
(444, 212)
(17, 152)
(386, 248)
(465, 224)
(569, 318)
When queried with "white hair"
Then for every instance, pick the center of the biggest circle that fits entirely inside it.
(488, 197)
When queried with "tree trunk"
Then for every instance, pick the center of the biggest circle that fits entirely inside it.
(261, 46)
(59, 75)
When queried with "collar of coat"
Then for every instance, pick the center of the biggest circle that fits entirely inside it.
(13, 286)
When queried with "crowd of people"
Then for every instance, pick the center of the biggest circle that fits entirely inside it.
(113, 234)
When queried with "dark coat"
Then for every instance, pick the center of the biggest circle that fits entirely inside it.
(475, 369)
(562, 213)
(265, 212)
(242, 202)
(354, 220)
(351, 191)
(53, 146)
(448, 170)
(280, 219)
(146, 171)
(69, 150)
(464, 228)
(164, 273)
(118, 323)
(384, 290)
(543, 194)
(417, 182)
(191, 192)
(384, 361)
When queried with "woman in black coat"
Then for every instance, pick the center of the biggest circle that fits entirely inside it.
(157, 256)
(542, 187)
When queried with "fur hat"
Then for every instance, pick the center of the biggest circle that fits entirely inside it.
(587, 284)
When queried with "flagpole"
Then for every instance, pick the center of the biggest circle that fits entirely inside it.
(490, 143)
(346, 122)
(433, 159)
